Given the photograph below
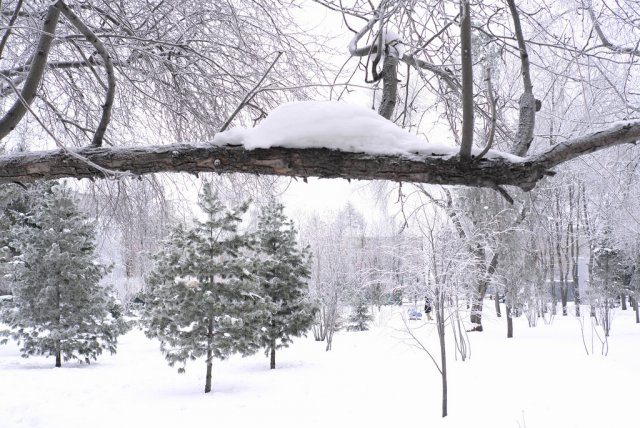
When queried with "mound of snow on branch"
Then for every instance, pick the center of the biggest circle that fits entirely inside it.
(336, 126)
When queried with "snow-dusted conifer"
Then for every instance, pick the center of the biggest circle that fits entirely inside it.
(203, 297)
(59, 307)
(360, 317)
(284, 272)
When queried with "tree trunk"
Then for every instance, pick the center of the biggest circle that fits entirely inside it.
(497, 303)
(509, 321)
(207, 382)
(478, 297)
(623, 301)
(58, 354)
(272, 347)
(635, 308)
(440, 321)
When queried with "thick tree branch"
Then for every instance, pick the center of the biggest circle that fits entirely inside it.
(619, 133)
(324, 163)
(492, 109)
(17, 111)
(389, 86)
(108, 66)
(467, 80)
(527, 120)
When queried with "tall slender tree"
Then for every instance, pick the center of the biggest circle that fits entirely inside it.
(284, 272)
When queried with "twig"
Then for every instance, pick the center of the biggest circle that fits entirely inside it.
(252, 93)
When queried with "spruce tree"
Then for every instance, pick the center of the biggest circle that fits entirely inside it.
(59, 307)
(284, 272)
(203, 296)
(360, 317)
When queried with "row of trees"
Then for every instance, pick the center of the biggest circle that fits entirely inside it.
(213, 290)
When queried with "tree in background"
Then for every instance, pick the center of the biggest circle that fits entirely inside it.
(284, 273)
(611, 274)
(203, 298)
(59, 307)
(360, 317)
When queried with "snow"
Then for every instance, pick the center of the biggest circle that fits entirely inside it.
(392, 39)
(540, 378)
(337, 126)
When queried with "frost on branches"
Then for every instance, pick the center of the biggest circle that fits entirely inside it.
(284, 271)
(203, 298)
(59, 309)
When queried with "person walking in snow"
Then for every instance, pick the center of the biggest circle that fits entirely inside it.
(427, 308)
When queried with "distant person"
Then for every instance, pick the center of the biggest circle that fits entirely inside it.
(427, 307)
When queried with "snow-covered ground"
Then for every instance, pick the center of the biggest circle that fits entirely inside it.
(542, 378)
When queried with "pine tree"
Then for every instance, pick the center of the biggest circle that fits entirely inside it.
(13, 206)
(360, 317)
(203, 299)
(284, 272)
(59, 307)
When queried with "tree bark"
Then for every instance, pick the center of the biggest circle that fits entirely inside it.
(467, 80)
(207, 381)
(478, 297)
(440, 321)
(272, 347)
(509, 321)
(497, 304)
(389, 86)
(58, 354)
(324, 163)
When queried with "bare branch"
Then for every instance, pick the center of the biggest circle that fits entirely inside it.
(250, 94)
(12, 21)
(603, 38)
(17, 111)
(108, 65)
(492, 108)
(467, 80)
(324, 163)
(619, 133)
(527, 101)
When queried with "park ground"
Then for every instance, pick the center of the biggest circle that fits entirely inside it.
(552, 375)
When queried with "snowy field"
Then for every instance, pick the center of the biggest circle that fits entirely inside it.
(542, 378)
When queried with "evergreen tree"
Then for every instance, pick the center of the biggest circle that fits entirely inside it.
(284, 272)
(203, 299)
(13, 206)
(59, 307)
(360, 317)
